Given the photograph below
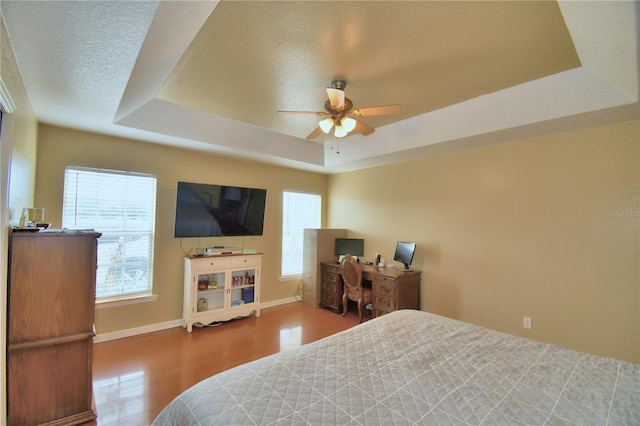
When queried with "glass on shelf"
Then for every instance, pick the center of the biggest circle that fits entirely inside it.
(203, 283)
(210, 281)
(242, 278)
(208, 301)
(203, 304)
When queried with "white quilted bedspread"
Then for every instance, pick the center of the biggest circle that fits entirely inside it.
(412, 367)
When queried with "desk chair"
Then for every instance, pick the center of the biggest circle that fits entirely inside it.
(353, 290)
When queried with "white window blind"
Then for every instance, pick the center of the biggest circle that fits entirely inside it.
(120, 205)
(299, 211)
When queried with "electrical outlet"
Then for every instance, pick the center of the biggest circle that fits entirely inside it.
(526, 322)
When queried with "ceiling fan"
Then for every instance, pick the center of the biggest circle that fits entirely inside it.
(341, 115)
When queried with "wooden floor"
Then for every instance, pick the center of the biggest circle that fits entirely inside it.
(134, 378)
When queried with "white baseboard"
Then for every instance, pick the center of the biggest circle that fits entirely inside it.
(129, 332)
(120, 334)
(277, 302)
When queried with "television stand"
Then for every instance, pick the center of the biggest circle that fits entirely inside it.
(220, 288)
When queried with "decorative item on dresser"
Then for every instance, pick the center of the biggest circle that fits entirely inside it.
(392, 289)
(319, 246)
(220, 288)
(52, 282)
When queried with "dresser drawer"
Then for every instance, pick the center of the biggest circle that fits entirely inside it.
(330, 289)
(210, 261)
(384, 303)
(380, 288)
(310, 239)
(378, 313)
(386, 280)
(309, 265)
(332, 268)
(310, 251)
(329, 277)
(243, 261)
(330, 274)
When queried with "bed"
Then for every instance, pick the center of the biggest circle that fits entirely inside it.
(413, 367)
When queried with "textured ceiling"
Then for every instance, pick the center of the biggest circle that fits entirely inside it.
(211, 75)
(249, 60)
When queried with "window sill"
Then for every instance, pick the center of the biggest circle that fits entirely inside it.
(291, 277)
(112, 302)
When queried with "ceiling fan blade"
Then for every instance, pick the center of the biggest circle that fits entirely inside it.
(363, 129)
(378, 110)
(304, 112)
(336, 97)
(317, 132)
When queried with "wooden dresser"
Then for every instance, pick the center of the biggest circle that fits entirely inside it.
(330, 287)
(51, 305)
(392, 289)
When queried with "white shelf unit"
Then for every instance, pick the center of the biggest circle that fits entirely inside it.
(220, 288)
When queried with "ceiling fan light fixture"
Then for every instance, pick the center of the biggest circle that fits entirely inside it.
(348, 123)
(326, 125)
(341, 131)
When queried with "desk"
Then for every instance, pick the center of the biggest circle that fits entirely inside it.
(392, 289)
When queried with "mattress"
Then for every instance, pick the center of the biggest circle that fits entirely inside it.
(412, 367)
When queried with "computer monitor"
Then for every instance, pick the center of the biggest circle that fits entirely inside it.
(404, 254)
(352, 246)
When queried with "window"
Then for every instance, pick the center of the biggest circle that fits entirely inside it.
(120, 205)
(299, 211)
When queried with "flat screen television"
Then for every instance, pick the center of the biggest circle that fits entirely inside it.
(404, 254)
(352, 246)
(205, 210)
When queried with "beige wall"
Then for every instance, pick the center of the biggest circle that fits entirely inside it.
(17, 172)
(59, 147)
(19, 135)
(546, 228)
